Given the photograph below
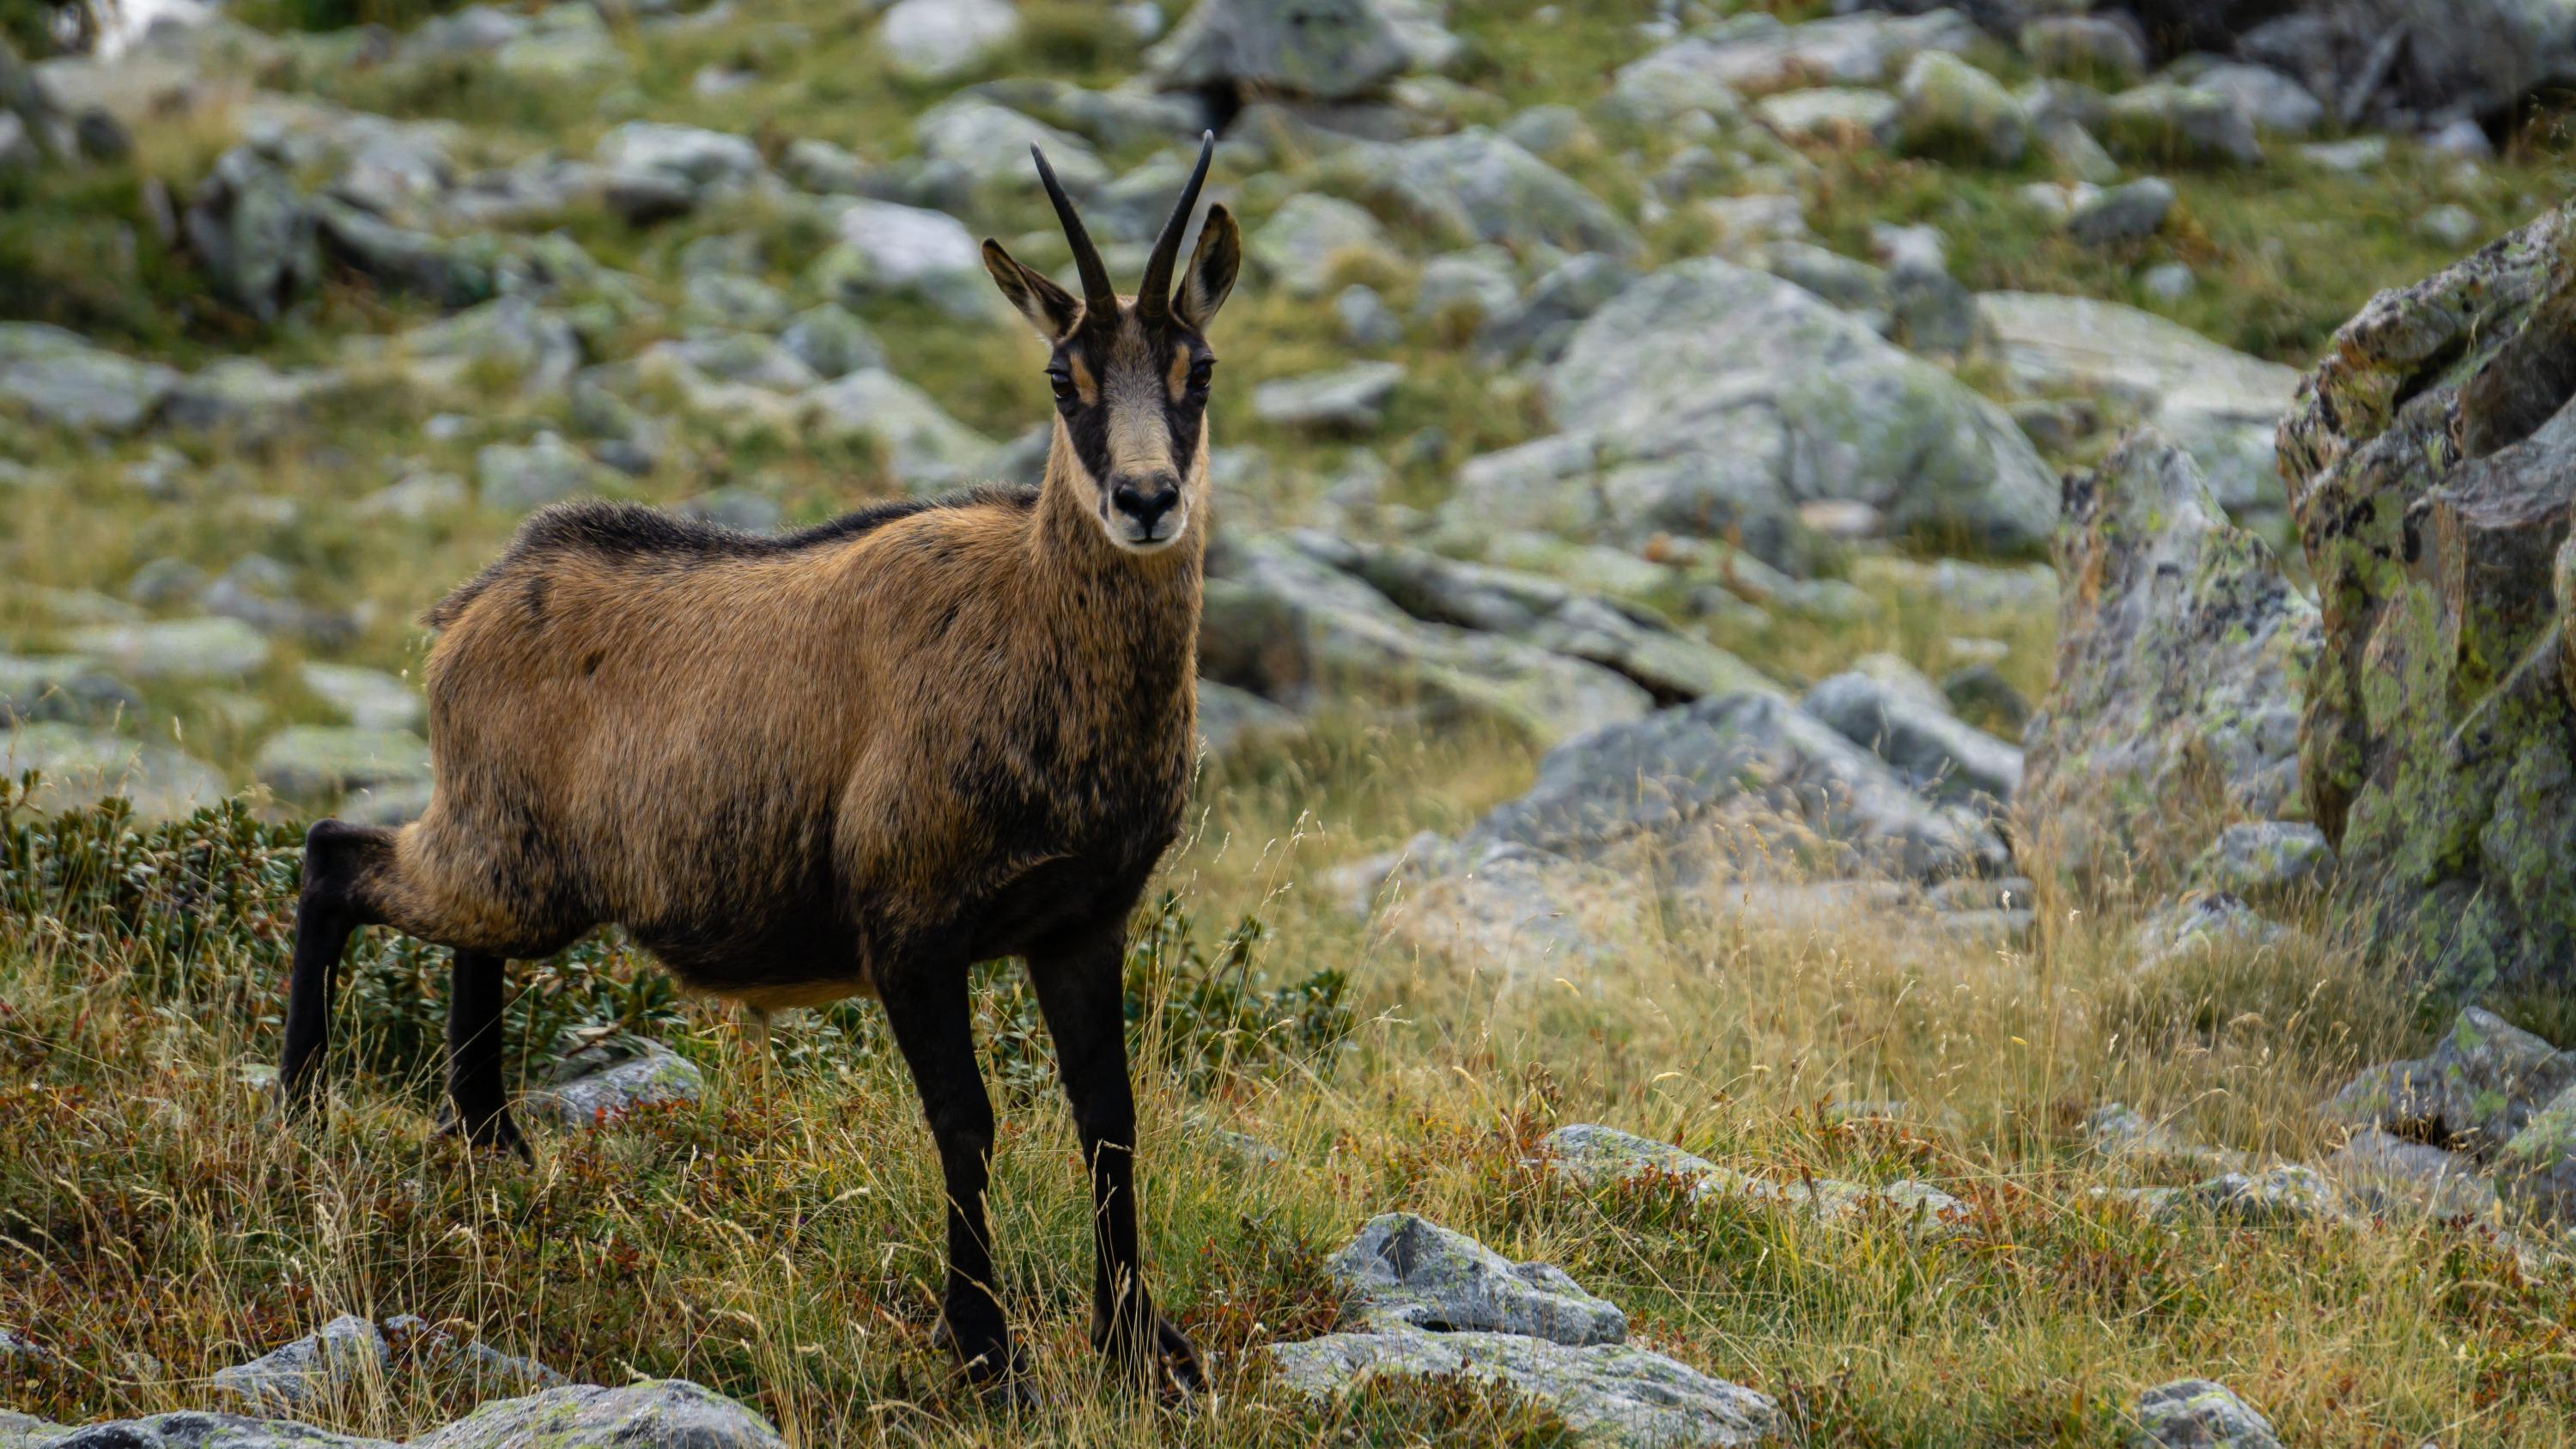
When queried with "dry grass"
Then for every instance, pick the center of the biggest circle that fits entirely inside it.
(783, 1247)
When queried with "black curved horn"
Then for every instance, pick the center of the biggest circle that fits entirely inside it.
(1099, 297)
(1154, 294)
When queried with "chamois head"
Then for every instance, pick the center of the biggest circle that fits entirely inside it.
(1131, 375)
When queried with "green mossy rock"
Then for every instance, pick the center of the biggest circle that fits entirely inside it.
(2431, 464)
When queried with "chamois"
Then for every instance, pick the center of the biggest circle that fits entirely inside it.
(852, 760)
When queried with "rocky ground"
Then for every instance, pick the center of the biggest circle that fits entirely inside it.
(1883, 685)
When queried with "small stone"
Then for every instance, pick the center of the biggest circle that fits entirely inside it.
(2452, 225)
(2123, 213)
(1408, 1272)
(2169, 282)
(1367, 321)
(938, 40)
(600, 1083)
(2198, 1414)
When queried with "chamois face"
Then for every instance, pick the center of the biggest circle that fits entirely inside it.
(1129, 376)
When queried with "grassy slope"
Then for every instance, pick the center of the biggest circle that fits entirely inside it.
(783, 1246)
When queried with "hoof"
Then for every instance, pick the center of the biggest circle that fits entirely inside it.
(496, 1133)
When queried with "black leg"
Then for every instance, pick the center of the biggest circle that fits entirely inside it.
(925, 1004)
(481, 1107)
(1082, 992)
(327, 912)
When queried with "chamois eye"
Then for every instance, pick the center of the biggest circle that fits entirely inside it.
(1200, 372)
(1061, 380)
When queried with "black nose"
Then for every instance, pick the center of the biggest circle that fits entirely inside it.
(1146, 499)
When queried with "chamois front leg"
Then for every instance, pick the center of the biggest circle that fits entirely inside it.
(338, 858)
(1082, 992)
(925, 1004)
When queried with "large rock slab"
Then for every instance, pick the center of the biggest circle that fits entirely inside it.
(81, 766)
(1405, 1271)
(1756, 52)
(925, 448)
(1710, 399)
(55, 377)
(1319, 49)
(1479, 186)
(654, 1414)
(2182, 653)
(1607, 1394)
(1627, 638)
(2221, 405)
(348, 1351)
(211, 649)
(1285, 621)
(2431, 464)
(1744, 780)
(1437, 1303)
(1904, 719)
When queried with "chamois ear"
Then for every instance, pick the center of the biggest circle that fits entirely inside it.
(1050, 308)
(1205, 285)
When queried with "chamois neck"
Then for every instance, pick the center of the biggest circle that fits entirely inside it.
(1074, 545)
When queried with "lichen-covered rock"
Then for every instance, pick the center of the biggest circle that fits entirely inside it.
(2281, 1196)
(349, 1350)
(1746, 780)
(2265, 859)
(1406, 1271)
(2203, 922)
(188, 1429)
(1604, 1155)
(597, 1085)
(2220, 405)
(2431, 463)
(655, 1414)
(251, 230)
(1436, 1303)
(1712, 399)
(2483, 1081)
(2166, 122)
(1479, 186)
(1322, 49)
(1908, 723)
(206, 650)
(1626, 638)
(937, 40)
(2198, 1414)
(924, 446)
(2389, 1173)
(54, 377)
(2182, 651)
(2538, 1166)
(1947, 107)
(1606, 1394)
(1301, 243)
(1288, 623)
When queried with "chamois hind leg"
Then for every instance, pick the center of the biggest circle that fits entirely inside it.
(925, 1004)
(479, 1108)
(1081, 990)
(339, 860)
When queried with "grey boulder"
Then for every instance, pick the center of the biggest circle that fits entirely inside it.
(1908, 723)
(2182, 651)
(1743, 778)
